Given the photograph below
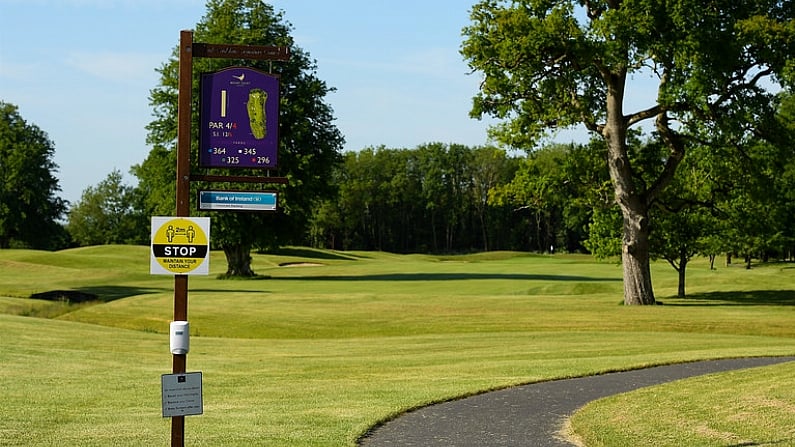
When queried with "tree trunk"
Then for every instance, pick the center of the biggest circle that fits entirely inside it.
(636, 261)
(484, 230)
(433, 232)
(238, 260)
(634, 208)
(681, 270)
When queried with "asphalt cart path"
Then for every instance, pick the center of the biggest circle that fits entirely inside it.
(530, 415)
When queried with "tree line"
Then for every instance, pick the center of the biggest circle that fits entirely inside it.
(452, 198)
(709, 175)
(448, 198)
(736, 202)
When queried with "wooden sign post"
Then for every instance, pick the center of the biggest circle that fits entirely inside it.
(187, 51)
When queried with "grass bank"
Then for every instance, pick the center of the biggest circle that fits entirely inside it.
(326, 344)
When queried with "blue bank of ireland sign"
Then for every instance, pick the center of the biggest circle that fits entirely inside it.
(237, 200)
(239, 119)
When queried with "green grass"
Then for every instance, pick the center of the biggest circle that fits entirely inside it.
(326, 344)
(743, 408)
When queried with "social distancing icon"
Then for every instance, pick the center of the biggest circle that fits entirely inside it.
(180, 245)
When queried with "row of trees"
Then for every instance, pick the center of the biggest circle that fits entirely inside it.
(452, 198)
(32, 214)
(432, 198)
(717, 106)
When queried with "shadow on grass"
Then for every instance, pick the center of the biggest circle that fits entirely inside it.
(746, 298)
(221, 291)
(102, 294)
(113, 293)
(785, 441)
(448, 277)
(311, 254)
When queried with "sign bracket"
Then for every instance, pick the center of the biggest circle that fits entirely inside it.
(256, 52)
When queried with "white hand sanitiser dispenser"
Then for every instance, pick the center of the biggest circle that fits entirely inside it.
(180, 337)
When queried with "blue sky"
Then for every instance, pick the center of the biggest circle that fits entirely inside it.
(81, 70)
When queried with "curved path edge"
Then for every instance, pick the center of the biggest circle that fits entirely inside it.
(533, 414)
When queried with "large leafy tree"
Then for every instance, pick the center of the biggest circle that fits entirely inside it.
(685, 218)
(309, 147)
(554, 64)
(108, 214)
(29, 207)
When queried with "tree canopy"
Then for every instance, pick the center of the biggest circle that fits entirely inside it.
(549, 65)
(108, 213)
(310, 143)
(29, 207)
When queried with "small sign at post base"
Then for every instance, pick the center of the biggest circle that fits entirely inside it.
(182, 394)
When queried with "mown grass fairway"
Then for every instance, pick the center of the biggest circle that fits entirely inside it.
(753, 407)
(327, 344)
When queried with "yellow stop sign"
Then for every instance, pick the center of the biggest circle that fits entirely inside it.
(180, 246)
